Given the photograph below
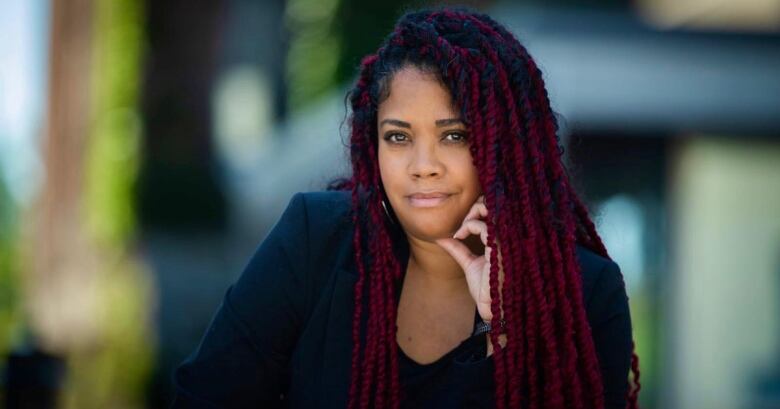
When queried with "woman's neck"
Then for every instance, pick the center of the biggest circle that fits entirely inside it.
(435, 269)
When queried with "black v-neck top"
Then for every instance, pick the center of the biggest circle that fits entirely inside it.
(282, 336)
(461, 378)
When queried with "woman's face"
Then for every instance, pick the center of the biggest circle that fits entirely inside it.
(423, 149)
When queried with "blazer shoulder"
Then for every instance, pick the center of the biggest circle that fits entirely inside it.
(330, 231)
(595, 271)
(330, 201)
(327, 211)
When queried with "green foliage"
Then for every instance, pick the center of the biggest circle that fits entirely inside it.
(644, 321)
(314, 52)
(114, 372)
(10, 322)
(113, 155)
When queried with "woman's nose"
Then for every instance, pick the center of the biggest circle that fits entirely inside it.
(425, 162)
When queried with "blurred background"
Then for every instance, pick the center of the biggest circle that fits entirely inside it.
(146, 148)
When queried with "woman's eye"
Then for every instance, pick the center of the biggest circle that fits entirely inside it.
(389, 137)
(457, 136)
(399, 138)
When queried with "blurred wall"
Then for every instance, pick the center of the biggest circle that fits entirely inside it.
(724, 328)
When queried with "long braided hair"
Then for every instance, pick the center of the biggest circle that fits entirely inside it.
(549, 352)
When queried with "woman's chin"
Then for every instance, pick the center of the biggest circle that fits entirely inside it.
(431, 230)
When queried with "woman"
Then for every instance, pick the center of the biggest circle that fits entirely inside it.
(455, 268)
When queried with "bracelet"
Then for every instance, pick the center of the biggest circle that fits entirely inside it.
(484, 326)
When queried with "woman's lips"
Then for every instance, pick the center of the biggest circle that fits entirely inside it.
(428, 200)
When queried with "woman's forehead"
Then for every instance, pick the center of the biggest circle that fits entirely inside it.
(416, 93)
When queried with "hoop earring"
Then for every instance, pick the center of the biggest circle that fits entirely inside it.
(384, 206)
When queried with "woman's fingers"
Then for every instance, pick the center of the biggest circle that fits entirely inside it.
(477, 211)
(459, 251)
(476, 267)
(472, 226)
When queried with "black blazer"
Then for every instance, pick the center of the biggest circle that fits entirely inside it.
(284, 327)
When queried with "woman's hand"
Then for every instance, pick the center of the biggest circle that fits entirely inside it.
(476, 267)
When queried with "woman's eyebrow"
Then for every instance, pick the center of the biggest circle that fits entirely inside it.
(449, 121)
(439, 122)
(396, 122)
